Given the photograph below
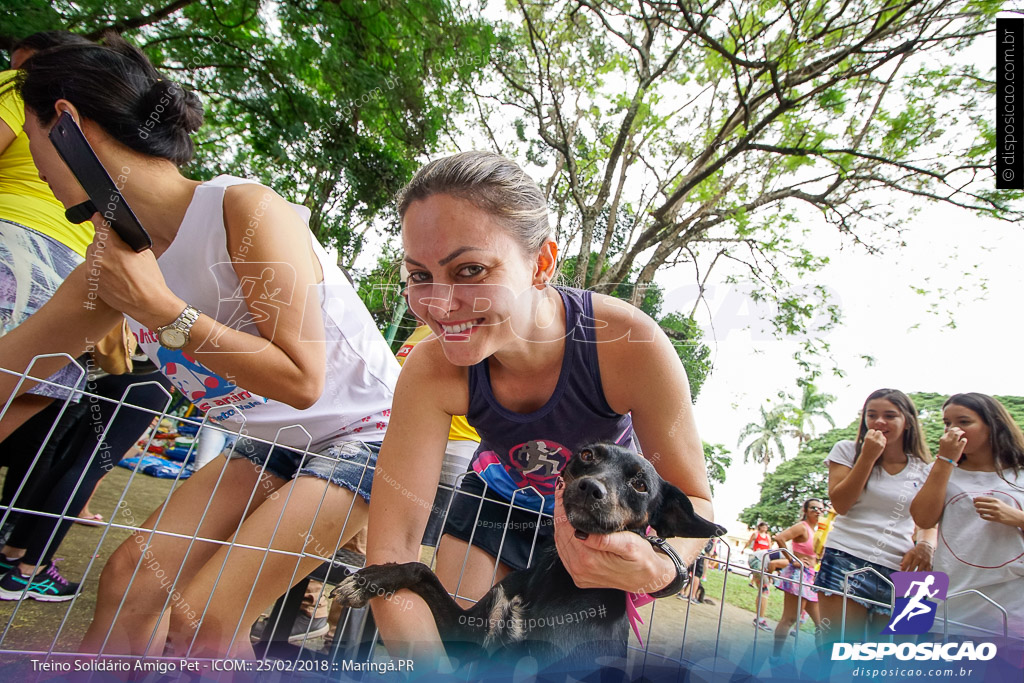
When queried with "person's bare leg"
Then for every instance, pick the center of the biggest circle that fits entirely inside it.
(789, 617)
(86, 513)
(814, 613)
(476, 580)
(764, 600)
(207, 506)
(277, 546)
(831, 611)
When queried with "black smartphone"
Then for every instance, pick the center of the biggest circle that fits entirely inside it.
(104, 196)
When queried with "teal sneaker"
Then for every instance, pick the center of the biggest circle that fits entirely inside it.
(47, 586)
(8, 563)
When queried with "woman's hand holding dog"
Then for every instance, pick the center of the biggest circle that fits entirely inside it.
(622, 560)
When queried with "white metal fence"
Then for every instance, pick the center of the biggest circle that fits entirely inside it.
(676, 635)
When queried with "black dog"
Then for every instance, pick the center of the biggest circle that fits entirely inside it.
(539, 612)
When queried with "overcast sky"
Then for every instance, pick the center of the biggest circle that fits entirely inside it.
(907, 334)
(914, 349)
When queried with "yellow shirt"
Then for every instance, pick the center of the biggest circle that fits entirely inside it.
(460, 431)
(24, 198)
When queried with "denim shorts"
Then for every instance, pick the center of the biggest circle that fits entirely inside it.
(349, 464)
(32, 267)
(835, 564)
(484, 520)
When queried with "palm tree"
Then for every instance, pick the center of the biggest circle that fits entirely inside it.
(767, 437)
(801, 417)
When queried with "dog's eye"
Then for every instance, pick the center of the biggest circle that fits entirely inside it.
(638, 484)
(587, 455)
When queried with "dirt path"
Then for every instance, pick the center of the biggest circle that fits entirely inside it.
(719, 637)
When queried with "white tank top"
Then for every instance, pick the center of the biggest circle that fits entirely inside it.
(361, 370)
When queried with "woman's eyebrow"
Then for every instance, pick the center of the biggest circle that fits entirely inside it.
(455, 254)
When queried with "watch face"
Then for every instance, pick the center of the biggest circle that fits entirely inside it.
(172, 338)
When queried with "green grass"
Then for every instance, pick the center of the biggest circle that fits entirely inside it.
(741, 594)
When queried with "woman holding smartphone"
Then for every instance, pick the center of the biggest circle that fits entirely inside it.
(250, 319)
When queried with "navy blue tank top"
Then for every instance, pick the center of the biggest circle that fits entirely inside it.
(527, 451)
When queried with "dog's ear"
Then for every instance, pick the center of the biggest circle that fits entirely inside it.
(674, 517)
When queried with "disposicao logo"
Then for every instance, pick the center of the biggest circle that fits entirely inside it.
(914, 612)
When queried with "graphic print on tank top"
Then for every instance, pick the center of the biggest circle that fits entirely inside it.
(207, 390)
(532, 464)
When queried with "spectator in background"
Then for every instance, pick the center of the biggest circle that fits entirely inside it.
(796, 580)
(975, 493)
(760, 542)
(38, 246)
(871, 482)
(759, 539)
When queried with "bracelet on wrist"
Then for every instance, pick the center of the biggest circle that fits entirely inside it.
(951, 461)
(682, 577)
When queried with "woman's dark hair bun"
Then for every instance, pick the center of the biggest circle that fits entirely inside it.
(168, 103)
(115, 86)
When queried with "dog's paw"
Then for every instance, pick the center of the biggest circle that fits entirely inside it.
(353, 591)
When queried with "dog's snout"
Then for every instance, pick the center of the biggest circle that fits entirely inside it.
(592, 488)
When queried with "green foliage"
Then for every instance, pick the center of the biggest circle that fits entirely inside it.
(717, 459)
(687, 338)
(727, 126)
(330, 103)
(767, 437)
(800, 416)
(24, 19)
(784, 490)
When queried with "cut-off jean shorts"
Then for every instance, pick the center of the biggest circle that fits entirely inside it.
(349, 464)
(835, 564)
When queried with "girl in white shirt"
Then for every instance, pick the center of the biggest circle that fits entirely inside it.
(871, 482)
(975, 492)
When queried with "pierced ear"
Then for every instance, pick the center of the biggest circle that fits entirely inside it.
(674, 517)
(546, 260)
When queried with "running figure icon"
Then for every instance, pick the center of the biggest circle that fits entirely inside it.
(914, 612)
(915, 607)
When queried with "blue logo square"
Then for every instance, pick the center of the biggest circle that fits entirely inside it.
(914, 609)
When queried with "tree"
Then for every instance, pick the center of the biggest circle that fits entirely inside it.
(717, 460)
(767, 438)
(711, 133)
(330, 103)
(801, 415)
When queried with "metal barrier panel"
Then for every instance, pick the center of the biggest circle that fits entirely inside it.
(683, 637)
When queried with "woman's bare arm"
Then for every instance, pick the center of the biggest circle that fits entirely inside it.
(405, 482)
(273, 257)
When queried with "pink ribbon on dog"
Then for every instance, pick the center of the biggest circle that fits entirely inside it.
(634, 600)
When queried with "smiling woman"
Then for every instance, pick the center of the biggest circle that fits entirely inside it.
(539, 371)
(252, 321)
(871, 482)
